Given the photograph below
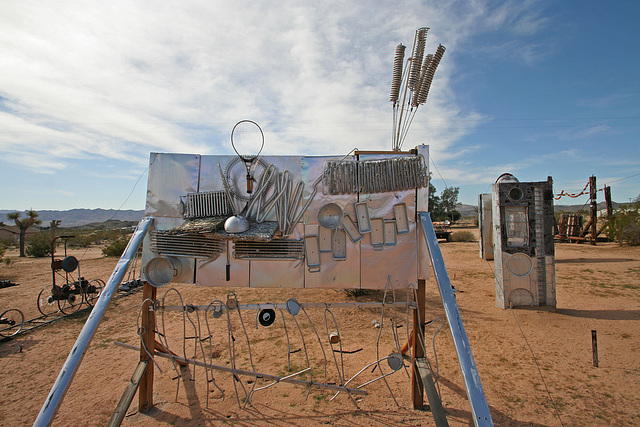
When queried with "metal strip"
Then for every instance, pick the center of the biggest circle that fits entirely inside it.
(402, 221)
(339, 244)
(362, 214)
(324, 239)
(312, 253)
(68, 371)
(249, 373)
(390, 232)
(477, 399)
(283, 306)
(377, 233)
(351, 229)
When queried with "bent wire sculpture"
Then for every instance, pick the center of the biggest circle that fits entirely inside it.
(207, 329)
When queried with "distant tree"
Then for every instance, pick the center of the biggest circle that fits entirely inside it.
(24, 224)
(435, 206)
(55, 223)
(449, 200)
(443, 206)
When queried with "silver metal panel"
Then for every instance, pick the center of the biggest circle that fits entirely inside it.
(312, 253)
(377, 233)
(400, 215)
(362, 217)
(399, 261)
(210, 179)
(402, 258)
(324, 239)
(475, 393)
(170, 176)
(335, 274)
(214, 273)
(390, 232)
(339, 244)
(351, 228)
(277, 273)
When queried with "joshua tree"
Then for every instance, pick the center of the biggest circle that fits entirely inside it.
(24, 224)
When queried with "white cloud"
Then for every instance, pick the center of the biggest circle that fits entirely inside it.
(115, 80)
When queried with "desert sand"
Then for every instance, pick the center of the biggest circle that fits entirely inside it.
(535, 363)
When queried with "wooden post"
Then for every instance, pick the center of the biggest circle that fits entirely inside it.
(148, 322)
(121, 410)
(594, 209)
(594, 347)
(417, 349)
(607, 199)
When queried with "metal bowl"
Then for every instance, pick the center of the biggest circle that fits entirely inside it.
(236, 224)
(330, 216)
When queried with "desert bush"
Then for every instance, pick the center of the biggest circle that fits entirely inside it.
(116, 247)
(7, 242)
(83, 240)
(3, 249)
(462, 236)
(623, 226)
(39, 244)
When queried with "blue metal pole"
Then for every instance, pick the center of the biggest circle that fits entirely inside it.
(60, 387)
(477, 399)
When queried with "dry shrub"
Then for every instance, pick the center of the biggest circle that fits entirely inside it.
(463, 236)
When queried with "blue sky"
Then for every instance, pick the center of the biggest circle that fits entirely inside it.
(535, 88)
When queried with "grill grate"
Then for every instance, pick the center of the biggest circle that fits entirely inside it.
(375, 176)
(204, 205)
(276, 249)
(191, 245)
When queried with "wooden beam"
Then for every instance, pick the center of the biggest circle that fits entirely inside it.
(162, 349)
(127, 396)
(148, 322)
(417, 349)
(435, 403)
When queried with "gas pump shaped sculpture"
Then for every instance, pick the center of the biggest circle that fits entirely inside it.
(523, 242)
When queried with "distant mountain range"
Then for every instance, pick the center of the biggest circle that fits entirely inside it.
(82, 217)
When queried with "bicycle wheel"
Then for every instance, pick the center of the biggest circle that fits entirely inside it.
(93, 291)
(47, 303)
(11, 322)
(72, 303)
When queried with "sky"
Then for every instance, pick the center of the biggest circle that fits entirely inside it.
(88, 89)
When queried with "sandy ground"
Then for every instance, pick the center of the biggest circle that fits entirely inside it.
(535, 363)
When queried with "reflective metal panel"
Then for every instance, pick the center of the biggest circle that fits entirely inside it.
(170, 176)
(335, 274)
(277, 274)
(343, 262)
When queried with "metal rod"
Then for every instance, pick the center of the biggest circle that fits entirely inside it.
(248, 373)
(284, 306)
(68, 371)
(477, 399)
